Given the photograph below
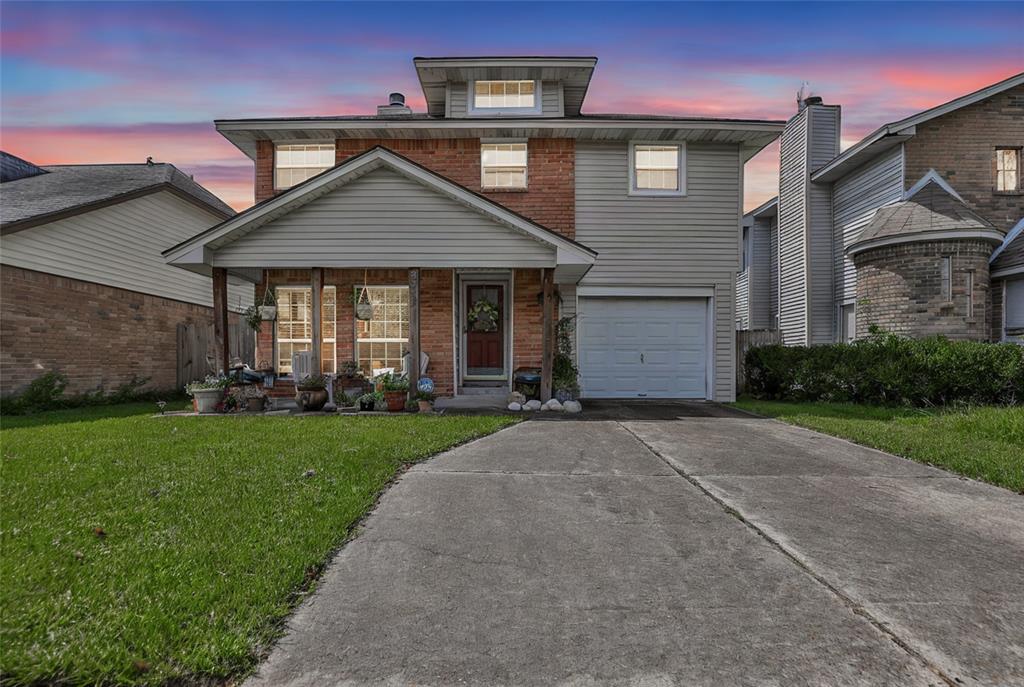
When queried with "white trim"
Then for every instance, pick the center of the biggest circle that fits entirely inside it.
(1010, 236)
(711, 324)
(504, 280)
(455, 334)
(567, 251)
(992, 235)
(680, 170)
(473, 111)
(932, 176)
(645, 291)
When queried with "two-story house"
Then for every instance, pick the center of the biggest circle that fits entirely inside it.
(914, 229)
(472, 227)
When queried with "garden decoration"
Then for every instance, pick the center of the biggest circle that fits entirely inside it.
(364, 308)
(425, 385)
(483, 316)
(311, 393)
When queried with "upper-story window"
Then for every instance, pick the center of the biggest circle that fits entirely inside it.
(1007, 169)
(505, 97)
(294, 164)
(503, 165)
(657, 169)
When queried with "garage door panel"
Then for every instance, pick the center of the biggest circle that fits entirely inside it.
(670, 333)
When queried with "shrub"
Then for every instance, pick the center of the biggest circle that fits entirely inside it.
(890, 370)
(46, 392)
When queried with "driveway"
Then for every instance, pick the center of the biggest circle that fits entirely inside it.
(692, 551)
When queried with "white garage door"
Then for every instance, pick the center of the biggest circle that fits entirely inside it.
(643, 347)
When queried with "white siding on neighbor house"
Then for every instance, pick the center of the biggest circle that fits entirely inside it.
(773, 273)
(669, 241)
(792, 236)
(550, 99)
(742, 300)
(823, 146)
(384, 219)
(855, 197)
(120, 246)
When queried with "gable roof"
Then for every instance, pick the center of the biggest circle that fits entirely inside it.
(13, 168)
(888, 135)
(930, 213)
(195, 249)
(1008, 258)
(68, 190)
(436, 72)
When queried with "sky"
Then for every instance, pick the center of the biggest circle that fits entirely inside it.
(117, 82)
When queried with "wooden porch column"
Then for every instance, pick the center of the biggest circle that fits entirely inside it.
(414, 328)
(220, 318)
(548, 335)
(317, 283)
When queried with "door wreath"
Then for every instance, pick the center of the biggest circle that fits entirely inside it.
(483, 316)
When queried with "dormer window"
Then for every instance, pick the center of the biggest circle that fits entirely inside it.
(505, 97)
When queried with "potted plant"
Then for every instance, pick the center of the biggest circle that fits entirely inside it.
(368, 402)
(311, 393)
(564, 374)
(396, 391)
(247, 397)
(362, 304)
(268, 309)
(208, 393)
(350, 380)
(252, 317)
(425, 400)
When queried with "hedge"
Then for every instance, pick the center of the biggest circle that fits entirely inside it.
(887, 369)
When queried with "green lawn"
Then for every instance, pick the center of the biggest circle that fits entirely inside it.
(142, 550)
(986, 443)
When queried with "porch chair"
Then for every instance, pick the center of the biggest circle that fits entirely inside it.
(407, 363)
(302, 365)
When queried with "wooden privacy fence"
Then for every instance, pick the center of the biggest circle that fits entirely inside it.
(196, 351)
(745, 340)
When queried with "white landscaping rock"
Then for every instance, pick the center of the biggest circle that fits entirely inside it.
(553, 404)
(515, 406)
(532, 405)
(516, 397)
(572, 406)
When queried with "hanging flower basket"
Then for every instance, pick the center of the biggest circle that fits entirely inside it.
(268, 313)
(483, 316)
(364, 308)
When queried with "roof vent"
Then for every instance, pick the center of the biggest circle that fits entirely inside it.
(396, 106)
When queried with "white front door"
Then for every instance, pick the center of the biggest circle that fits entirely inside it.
(643, 347)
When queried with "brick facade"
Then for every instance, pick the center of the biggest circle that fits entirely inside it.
(899, 290)
(961, 147)
(437, 329)
(98, 336)
(549, 200)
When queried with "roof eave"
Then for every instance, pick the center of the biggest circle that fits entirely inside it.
(992, 235)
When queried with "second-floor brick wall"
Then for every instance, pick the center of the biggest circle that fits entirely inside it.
(961, 147)
(549, 200)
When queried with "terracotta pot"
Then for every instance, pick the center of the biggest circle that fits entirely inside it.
(395, 400)
(255, 405)
(425, 406)
(310, 400)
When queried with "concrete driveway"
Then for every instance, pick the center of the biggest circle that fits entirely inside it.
(694, 551)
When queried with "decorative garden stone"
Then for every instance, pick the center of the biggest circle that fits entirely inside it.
(553, 404)
(515, 406)
(532, 405)
(572, 406)
(516, 397)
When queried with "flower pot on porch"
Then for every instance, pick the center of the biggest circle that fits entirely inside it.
(206, 400)
(268, 313)
(310, 400)
(364, 311)
(255, 405)
(395, 400)
(425, 406)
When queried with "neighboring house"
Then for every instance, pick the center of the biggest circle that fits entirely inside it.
(757, 298)
(466, 225)
(899, 229)
(1006, 269)
(86, 291)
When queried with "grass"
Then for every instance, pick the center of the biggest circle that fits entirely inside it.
(142, 550)
(985, 443)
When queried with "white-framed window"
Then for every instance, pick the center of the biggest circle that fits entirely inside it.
(382, 341)
(657, 169)
(946, 278)
(504, 97)
(293, 164)
(293, 329)
(1008, 169)
(503, 165)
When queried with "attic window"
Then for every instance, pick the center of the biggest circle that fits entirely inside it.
(1007, 169)
(293, 164)
(496, 97)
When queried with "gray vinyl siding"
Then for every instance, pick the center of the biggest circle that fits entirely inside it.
(823, 145)
(773, 273)
(550, 99)
(120, 246)
(855, 197)
(760, 285)
(743, 300)
(384, 219)
(666, 241)
(567, 308)
(792, 236)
